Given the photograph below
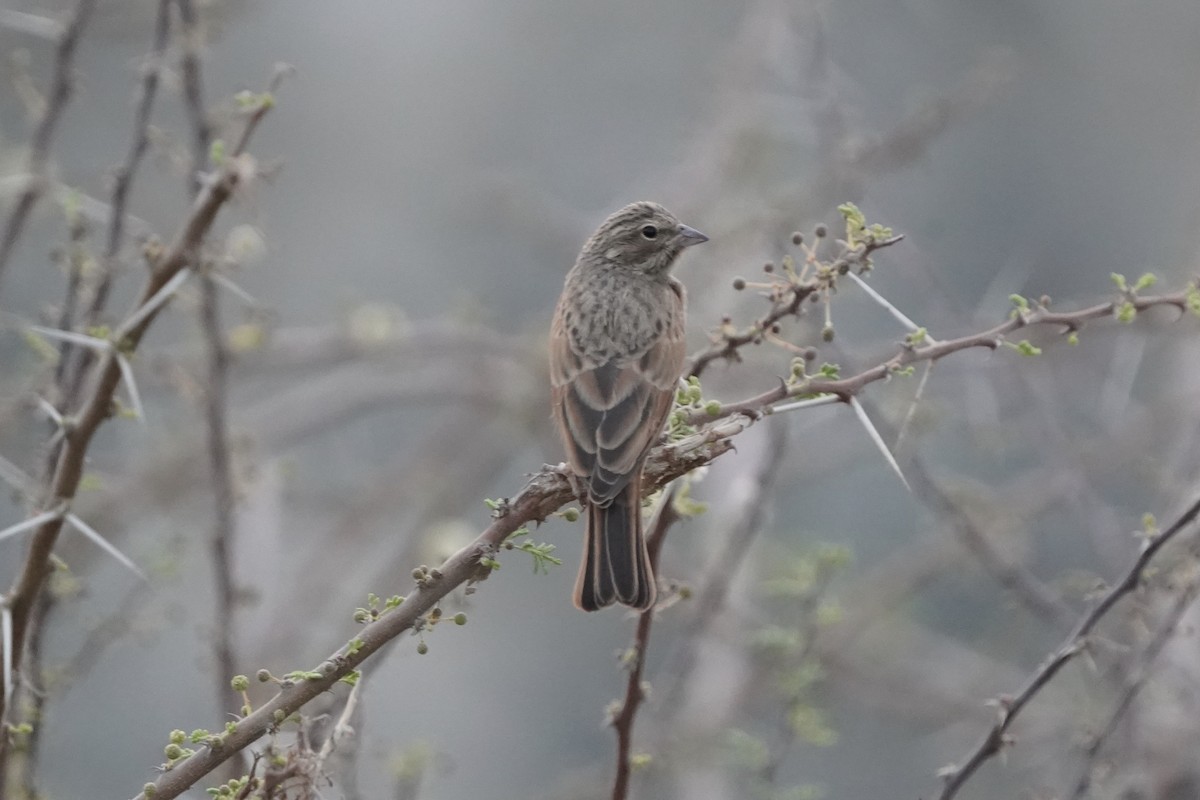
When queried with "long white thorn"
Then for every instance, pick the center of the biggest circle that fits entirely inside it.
(81, 339)
(228, 285)
(15, 477)
(823, 400)
(50, 411)
(877, 439)
(912, 407)
(153, 304)
(6, 635)
(104, 544)
(32, 522)
(134, 398)
(891, 309)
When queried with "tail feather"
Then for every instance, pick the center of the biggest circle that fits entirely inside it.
(615, 567)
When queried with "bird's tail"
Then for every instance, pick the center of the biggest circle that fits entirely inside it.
(616, 566)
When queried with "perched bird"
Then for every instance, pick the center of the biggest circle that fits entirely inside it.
(616, 353)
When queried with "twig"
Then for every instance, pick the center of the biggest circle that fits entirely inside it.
(193, 91)
(105, 377)
(1135, 682)
(43, 137)
(222, 487)
(635, 659)
(788, 301)
(545, 493)
(993, 338)
(723, 568)
(1008, 708)
(785, 731)
(123, 181)
(1041, 601)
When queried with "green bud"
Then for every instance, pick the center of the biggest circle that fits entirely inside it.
(460, 618)
(571, 514)
(240, 683)
(422, 648)
(712, 408)
(177, 737)
(173, 751)
(263, 675)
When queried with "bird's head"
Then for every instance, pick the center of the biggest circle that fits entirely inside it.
(642, 236)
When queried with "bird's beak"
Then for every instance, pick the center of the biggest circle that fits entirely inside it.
(691, 236)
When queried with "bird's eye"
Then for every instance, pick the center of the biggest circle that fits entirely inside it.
(650, 231)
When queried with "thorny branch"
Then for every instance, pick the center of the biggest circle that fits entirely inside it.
(1008, 708)
(787, 300)
(105, 377)
(43, 137)
(846, 388)
(548, 491)
(123, 182)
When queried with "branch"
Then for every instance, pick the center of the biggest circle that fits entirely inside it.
(635, 657)
(787, 300)
(546, 492)
(106, 375)
(217, 430)
(993, 338)
(1009, 707)
(1136, 681)
(43, 137)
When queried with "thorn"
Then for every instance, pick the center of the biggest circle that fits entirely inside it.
(891, 309)
(6, 635)
(50, 411)
(234, 289)
(823, 400)
(32, 522)
(15, 477)
(877, 439)
(134, 398)
(153, 304)
(90, 532)
(83, 340)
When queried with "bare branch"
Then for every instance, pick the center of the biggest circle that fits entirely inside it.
(43, 137)
(106, 375)
(1135, 682)
(222, 485)
(635, 658)
(997, 739)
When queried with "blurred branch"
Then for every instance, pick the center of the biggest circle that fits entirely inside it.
(1034, 594)
(43, 137)
(107, 374)
(634, 658)
(193, 90)
(123, 181)
(723, 568)
(1135, 682)
(222, 487)
(1008, 707)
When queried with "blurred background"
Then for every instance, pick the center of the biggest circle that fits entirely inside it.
(435, 169)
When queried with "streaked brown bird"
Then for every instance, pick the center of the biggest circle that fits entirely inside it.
(617, 349)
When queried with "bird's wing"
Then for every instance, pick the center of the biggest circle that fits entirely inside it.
(610, 414)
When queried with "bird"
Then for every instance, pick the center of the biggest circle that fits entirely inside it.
(617, 350)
